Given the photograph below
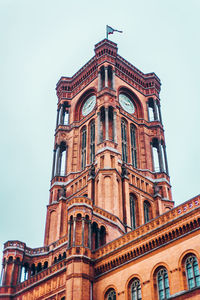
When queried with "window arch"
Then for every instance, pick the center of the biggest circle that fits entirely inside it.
(192, 271)
(110, 295)
(133, 210)
(133, 146)
(147, 211)
(92, 141)
(83, 147)
(163, 284)
(135, 290)
(124, 140)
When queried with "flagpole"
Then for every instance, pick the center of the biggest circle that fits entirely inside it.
(107, 32)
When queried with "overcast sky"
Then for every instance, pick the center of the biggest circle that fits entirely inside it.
(41, 41)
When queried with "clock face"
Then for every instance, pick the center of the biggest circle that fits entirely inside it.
(126, 103)
(89, 105)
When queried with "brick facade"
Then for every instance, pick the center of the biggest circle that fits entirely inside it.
(112, 231)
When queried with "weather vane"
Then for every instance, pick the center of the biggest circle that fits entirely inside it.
(110, 30)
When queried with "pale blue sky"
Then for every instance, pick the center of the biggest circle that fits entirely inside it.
(41, 41)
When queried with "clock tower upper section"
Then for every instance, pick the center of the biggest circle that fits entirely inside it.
(109, 148)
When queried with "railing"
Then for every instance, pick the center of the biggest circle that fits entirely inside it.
(52, 269)
(148, 227)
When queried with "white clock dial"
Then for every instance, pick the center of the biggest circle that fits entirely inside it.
(126, 103)
(89, 105)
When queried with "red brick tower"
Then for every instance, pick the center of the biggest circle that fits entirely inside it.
(109, 177)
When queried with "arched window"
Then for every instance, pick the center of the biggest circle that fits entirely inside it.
(33, 269)
(63, 159)
(63, 115)
(111, 295)
(92, 141)
(158, 156)
(163, 284)
(152, 110)
(95, 236)
(146, 211)
(124, 141)
(136, 290)
(59, 169)
(133, 210)
(102, 72)
(24, 272)
(66, 117)
(192, 271)
(133, 146)
(102, 233)
(45, 265)
(83, 147)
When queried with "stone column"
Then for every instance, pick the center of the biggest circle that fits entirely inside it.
(155, 110)
(89, 234)
(165, 157)
(83, 228)
(148, 111)
(160, 158)
(115, 126)
(98, 128)
(153, 164)
(69, 234)
(159, 111)
(113, 79)
(98, 237)
(74, 232)
(106, 77)
(58, 161)
(99, 81)
(53, 167)
(57, 118)
(61, 115)
(106, 123)
(1, 278)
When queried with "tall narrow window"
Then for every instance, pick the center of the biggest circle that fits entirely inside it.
(157, 156)
(124, 141)
(61, 159)
(66, 117)
(133, 147)
(136, 290)
(163, 284)
(63, 163)
(146, 211)
(83, 147)
(152, 110)
(92, 141)
(192, 270)
(133, 211)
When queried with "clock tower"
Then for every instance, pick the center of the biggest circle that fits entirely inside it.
(109, 148)
(110, 211)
